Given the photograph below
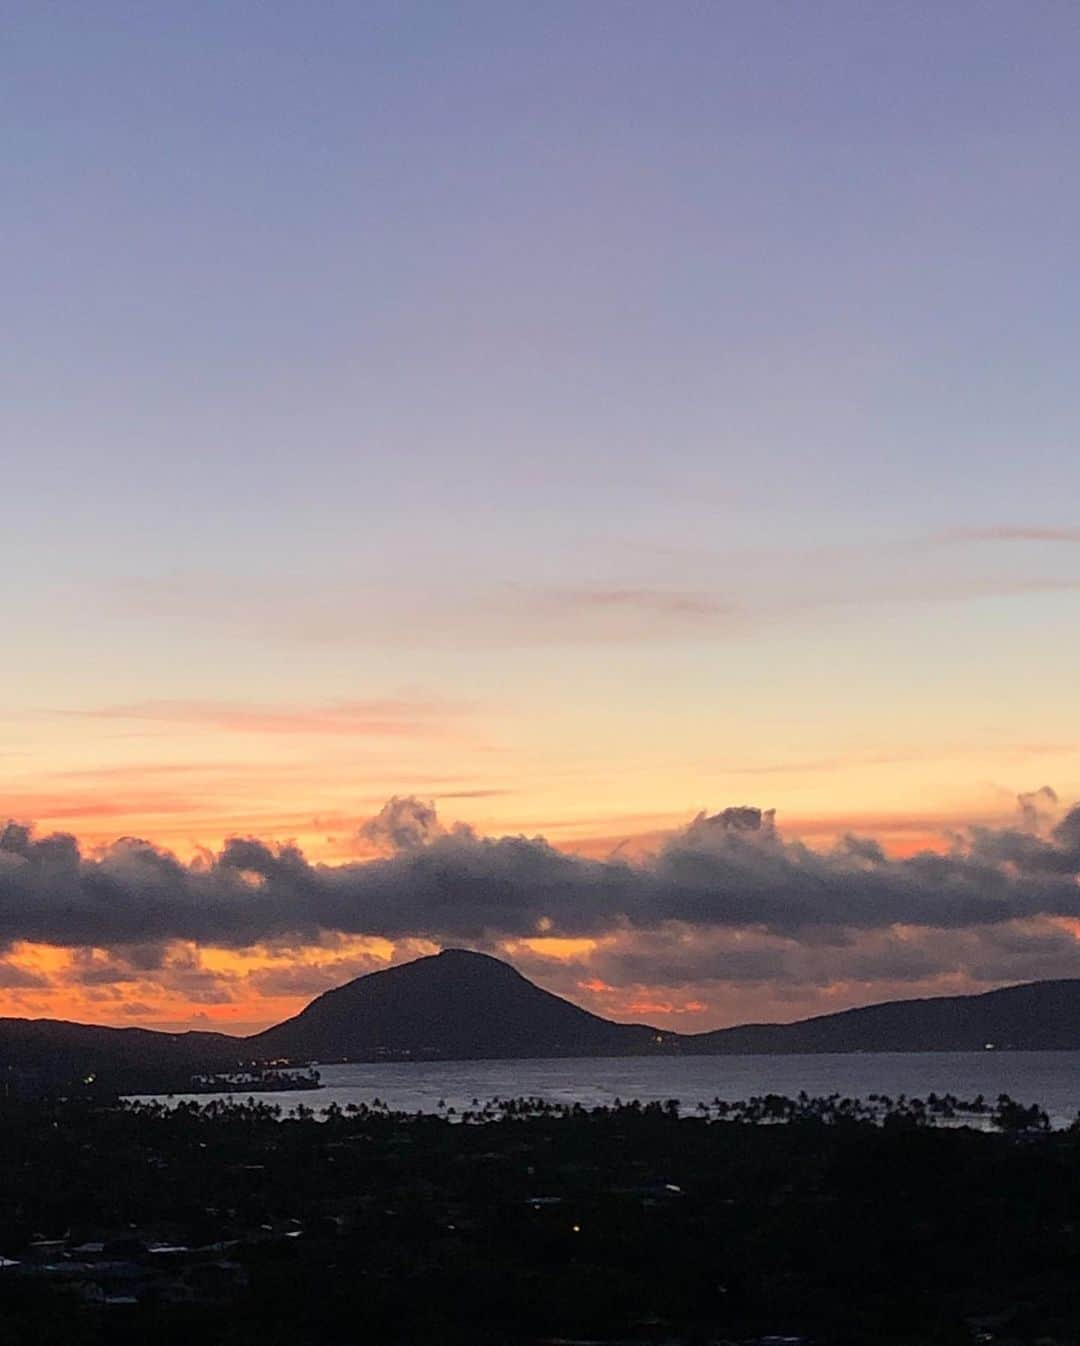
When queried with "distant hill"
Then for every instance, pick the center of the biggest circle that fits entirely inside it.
(453, 1005)
(467, 1005)
(1039, 1016)
(68, 1051)
(458, 1005)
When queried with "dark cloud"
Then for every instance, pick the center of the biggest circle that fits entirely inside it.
(1037, 808)
(731, 871)
(175, 969)
(90, 967)
(16, 978)
(402, 824)
(735, 974)
(311, 979)
(184, 975)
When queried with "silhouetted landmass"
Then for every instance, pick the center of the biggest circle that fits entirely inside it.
(818, 1220)
(459, 1005)
(52, 1050)
(454, 1005)
(1039, 1016)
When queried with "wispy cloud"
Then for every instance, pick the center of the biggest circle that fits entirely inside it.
(377, 717)
(1007, 533)
(15, 977)
(694, 594)
(143, 771)
(60, 806)
(934, 752)
(651, 601)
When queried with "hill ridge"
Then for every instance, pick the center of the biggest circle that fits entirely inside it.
(466, 1004)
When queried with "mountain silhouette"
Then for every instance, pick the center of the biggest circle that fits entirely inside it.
(70, 1050)
(459, 1005)
(454, 1004)
(1037, 1016)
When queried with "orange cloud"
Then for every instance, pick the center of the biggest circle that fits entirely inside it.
(548, 946)
(59, 806)
(377, 716)
(181, 986)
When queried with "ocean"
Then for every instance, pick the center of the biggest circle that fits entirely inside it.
(1051, 1079)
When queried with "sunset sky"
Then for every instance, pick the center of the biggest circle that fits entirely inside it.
(562, 420)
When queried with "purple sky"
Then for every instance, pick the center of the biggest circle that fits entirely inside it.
(580, 413)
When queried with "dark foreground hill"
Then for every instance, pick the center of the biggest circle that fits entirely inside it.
(459, 1006)
(619, 1225)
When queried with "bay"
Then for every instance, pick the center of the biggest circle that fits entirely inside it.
(1051, 1079)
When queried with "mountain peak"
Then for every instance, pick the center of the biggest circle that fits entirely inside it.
(458, 1003)
(473, 958)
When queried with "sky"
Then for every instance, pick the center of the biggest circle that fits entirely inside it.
(562, 420)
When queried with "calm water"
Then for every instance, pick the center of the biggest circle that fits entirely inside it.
(1049, 1078)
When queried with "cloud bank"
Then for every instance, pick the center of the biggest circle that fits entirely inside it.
(733, 871)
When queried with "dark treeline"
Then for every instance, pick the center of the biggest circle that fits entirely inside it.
(519, 1221)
